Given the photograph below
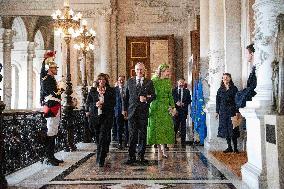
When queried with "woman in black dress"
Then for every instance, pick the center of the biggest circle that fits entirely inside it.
(225, 109)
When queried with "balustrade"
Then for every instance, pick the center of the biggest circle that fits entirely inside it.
(24, 137)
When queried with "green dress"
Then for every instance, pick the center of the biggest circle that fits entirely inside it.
(160, 128)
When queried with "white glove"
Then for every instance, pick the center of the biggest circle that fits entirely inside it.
(61, 85)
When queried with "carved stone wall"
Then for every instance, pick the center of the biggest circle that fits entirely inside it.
(153, 18)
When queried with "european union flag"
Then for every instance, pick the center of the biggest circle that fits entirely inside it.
(197, 111)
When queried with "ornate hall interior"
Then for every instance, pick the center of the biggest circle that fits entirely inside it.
(199, 40)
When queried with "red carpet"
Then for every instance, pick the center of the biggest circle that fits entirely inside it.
(232, 160)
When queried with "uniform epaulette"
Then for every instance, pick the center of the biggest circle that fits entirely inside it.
(58, 92)
(44, 78)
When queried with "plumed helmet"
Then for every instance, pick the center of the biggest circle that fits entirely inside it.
(49, 57)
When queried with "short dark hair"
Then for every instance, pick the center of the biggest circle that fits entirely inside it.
(250, 48)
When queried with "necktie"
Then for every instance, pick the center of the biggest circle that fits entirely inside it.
(121, 97)
(138, 86)
(179, 95)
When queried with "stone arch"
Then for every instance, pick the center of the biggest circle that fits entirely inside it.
(21, 30)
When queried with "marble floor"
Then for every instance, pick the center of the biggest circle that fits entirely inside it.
(189, 167)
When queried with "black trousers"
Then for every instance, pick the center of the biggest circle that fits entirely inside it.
(180, 122)
(102, 127)
(122, 127)
(234, 138)
(137, 133)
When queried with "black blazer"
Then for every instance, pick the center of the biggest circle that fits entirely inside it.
(186, 99)
(108, 106)
(132, 96)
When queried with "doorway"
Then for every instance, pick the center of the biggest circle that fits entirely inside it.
(152, 51)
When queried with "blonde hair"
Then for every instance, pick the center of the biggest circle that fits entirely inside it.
(161, 68)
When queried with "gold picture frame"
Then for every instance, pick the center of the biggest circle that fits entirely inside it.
(142, 45)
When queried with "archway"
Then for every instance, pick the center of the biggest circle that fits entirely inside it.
(19, 56)
(37, 62)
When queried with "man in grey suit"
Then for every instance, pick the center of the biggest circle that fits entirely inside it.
(140, 93)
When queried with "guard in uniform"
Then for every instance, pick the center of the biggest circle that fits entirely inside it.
(51, 102)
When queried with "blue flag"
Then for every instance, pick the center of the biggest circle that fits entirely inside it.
(197, 111)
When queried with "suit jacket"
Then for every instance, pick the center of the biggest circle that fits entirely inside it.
(119, 101)
(108, 106)
(247, 93)
(132, 96)
(186, 99)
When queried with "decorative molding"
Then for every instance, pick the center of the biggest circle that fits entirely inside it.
(105, 11)
(157, 11)
(266, 13)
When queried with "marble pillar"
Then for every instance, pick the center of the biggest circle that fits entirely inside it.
(114, 45)
(204, 46)
(216, 69)
(31, 55)
(255, 170)
(105, 55)
(232, 40)
(7, 83)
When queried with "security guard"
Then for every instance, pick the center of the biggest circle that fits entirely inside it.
(50, 100)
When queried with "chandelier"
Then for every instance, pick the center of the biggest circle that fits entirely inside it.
(66, 22)
(84, 38)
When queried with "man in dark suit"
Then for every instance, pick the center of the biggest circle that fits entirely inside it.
(121, 122)
(182, 99)
(140, 93)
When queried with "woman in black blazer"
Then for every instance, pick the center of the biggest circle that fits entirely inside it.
(100, 108)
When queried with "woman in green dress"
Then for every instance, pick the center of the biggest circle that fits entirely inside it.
(160, 128)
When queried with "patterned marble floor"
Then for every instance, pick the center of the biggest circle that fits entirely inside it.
(186, 167)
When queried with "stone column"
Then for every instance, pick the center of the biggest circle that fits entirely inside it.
(232, 40)
(7, 83)
(105, 44)
(31, 55)
(204, 46)
(254, 171)
(216, 69)
(114, 50)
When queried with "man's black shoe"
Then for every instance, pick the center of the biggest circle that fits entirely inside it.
(130, 162)
(228, 150)
(58, 160)
(101, 165)
(52, 162)
(143, 161)
(236, 151)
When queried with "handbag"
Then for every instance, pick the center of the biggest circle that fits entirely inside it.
(237, 120)
(172, 111)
